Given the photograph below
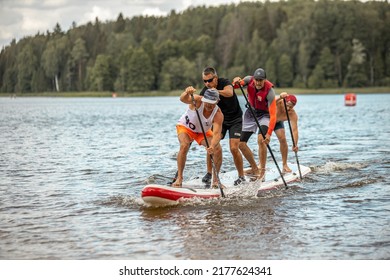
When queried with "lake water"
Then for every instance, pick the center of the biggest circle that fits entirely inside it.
(72, 170)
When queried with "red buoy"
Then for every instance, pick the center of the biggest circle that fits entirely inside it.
(350, 99)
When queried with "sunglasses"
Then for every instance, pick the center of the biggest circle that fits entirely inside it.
(209, 80)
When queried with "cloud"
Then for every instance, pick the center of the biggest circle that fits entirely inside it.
(9, 17)
(101, 13)
(22, 18)
(153, 12)
(53, 3)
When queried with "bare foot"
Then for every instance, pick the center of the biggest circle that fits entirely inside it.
(286, 169)
(177, 183)
(256, 175)
(248, 171)
(215, 185)
(262, 174)
(259, 175)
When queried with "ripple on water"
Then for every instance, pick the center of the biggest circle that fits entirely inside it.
(72, 171)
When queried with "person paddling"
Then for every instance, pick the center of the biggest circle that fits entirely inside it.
(232, 122)
(261, 98)
(189, 129)
(279, 130)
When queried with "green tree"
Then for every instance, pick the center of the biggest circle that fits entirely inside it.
(227, 43)
(79, 56)
(140, 71)
(324, 74)
(8, 68)
(256, 53)
(9, 80)
(166, 50)
(271, 69)
(100, 78)
(356, 76)
(303, 69)
(148, 47)
(317, 36)
(53, 59)
(178, 74)
(370, 35)
(27, 64)
(327, 63)
(38, 81)
(120, 24)
(121, 80)
(95, 39)
(285, 71)
(316, 78)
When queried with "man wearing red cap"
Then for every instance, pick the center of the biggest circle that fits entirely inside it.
(279, 130)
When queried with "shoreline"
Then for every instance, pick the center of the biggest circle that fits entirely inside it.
(297, 91)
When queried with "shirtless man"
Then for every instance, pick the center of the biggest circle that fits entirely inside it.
(279, 130)
(189, 129)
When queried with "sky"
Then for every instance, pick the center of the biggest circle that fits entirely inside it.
(20, 18)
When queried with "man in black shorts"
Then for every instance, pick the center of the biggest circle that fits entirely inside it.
(281, 116)
(232, 112)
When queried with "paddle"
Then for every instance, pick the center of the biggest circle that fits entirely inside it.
(262, 133)
(207, 145)
(292, 136)
(173, 179)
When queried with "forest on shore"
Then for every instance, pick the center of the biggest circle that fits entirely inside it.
(302, 44)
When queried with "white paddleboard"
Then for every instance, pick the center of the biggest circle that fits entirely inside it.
(162, 195)
(273, 180)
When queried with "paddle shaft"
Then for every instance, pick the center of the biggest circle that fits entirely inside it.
(174, 178)
(262, 133)
(292, 136)
(207, 145)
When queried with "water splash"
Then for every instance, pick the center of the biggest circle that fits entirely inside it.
(123, 201)
(331, 166)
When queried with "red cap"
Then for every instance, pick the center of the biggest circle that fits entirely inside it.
(292, 99)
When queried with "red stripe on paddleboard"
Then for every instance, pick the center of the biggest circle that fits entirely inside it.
(173, 194)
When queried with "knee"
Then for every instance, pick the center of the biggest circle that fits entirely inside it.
(283, 140)
(260, 142)
(234, 147)
(218, 149)
(242, 145)
(234, 150)
(184, 147)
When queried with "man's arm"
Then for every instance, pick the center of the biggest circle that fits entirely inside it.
(225, 88)
(227, 91)
(294, 127)
(243, 82)
(272, 111)
(186, 97)
(217, 131)
(293, 122)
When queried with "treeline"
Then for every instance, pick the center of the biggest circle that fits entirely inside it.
(300, 43)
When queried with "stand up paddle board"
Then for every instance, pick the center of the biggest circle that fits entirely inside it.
(162, 195)
(275, 181)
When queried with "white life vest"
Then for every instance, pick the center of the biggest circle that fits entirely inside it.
(190, 119)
